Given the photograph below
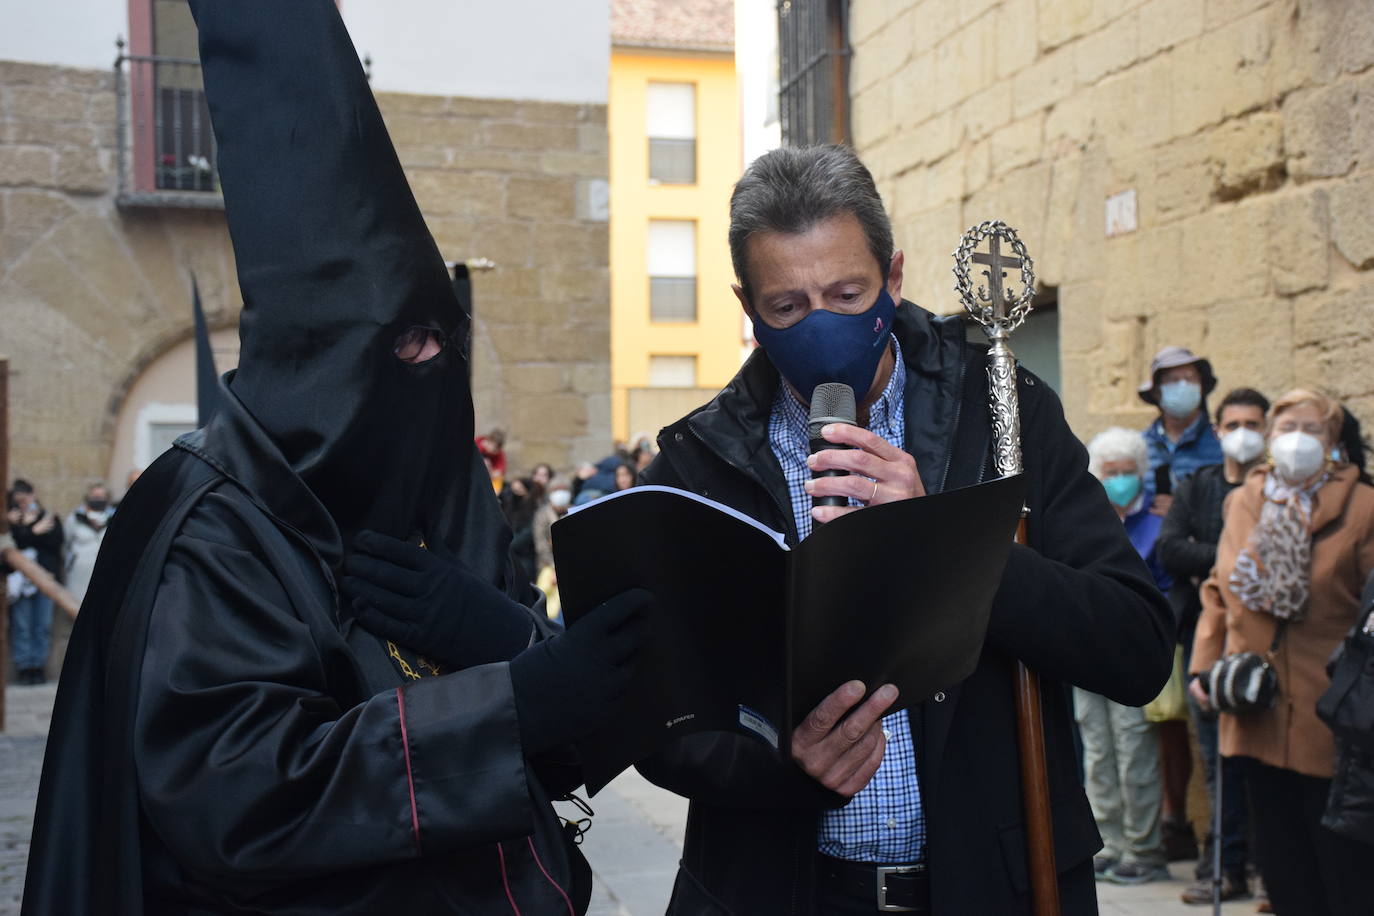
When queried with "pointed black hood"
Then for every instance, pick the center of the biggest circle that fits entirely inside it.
(334, 263)
(207, 379)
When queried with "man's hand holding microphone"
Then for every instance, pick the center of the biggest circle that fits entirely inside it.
(850, 462)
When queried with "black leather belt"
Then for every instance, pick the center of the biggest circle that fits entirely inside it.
(887, 888)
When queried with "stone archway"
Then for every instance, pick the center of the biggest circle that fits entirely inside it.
(90, 297)
(160, 404)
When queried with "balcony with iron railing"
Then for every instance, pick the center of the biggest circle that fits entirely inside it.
(167, 153)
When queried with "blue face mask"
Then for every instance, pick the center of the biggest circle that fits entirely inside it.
(1122, 489)
(830, 347)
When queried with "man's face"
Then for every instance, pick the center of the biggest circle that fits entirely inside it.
(827, 267)
(1239, 416)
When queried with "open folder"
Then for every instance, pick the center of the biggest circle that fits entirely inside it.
(748, 635)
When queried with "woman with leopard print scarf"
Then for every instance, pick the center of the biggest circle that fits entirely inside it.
(1297, 545)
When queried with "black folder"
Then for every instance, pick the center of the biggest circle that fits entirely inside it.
(748, 635)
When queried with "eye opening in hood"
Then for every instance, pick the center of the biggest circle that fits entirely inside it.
(419, 344)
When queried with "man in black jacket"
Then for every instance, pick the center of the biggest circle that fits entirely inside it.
(1187, 547)
(933, 791)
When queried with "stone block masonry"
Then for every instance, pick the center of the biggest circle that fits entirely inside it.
(502, 180)
(1246, 128)
(91, 294)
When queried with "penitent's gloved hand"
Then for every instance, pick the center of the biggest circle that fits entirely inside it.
(569, 684)
(429, 602)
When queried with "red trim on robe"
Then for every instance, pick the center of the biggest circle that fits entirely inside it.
(410, 777)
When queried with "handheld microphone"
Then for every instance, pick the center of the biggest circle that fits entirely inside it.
(832, 402)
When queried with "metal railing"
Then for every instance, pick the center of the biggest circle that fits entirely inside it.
(813, 63)
(166, 150)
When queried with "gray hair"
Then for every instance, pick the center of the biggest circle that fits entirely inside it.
(1118, 444)
(791, 189)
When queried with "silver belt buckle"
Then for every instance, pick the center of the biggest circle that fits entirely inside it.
(883, 872)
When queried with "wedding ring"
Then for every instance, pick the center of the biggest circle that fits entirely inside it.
(875, 491)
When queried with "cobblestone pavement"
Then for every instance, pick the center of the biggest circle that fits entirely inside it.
(27, 711)
(634, 844)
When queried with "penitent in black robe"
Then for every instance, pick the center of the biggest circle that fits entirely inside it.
(225, 739)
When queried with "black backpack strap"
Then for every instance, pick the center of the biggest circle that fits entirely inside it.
(1278, 638)
(1367, 601)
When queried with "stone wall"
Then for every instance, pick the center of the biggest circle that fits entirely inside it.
(518, 182)
(91, 293)
(1246, 128)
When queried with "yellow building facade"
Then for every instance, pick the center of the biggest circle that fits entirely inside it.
(667, 359)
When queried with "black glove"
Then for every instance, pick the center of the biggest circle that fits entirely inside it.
(569, 684)
(429, 602)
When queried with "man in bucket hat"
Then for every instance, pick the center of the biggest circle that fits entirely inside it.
(1180, 439)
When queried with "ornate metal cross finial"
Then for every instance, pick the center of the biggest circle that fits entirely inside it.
(999, 313)
(992, 306)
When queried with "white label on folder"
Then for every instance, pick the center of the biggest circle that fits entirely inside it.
(758, 725)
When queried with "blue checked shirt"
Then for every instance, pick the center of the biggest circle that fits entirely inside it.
(885, 821)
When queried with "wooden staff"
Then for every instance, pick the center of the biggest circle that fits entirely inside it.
(999, 316)
(42, 580)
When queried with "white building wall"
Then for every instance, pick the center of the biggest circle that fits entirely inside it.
(756, 63)
(515, 49)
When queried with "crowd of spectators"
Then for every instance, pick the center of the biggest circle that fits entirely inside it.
(1258, 522)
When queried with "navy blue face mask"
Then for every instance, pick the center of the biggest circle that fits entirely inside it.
(828, 346)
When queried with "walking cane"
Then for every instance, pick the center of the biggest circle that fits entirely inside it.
(1216, 836)
(999, 315)
(41, 579)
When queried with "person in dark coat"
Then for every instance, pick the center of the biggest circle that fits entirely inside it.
(1187, 548)
(246, 723)
(39, 531)
(933, 791)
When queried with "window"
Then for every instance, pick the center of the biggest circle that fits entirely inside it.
(156, 425)
(162, 435)
(672, 128)
(672, 371)
(813, 50)
(166, 143)
(672, 270)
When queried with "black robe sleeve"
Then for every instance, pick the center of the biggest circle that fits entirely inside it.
(1079, 606)
(250, 764)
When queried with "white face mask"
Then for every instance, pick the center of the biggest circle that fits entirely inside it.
(559, 499)
(1297, 456)
(1179, 399)
(1242, 445)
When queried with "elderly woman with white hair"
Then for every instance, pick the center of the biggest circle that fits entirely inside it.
(1120, 748)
